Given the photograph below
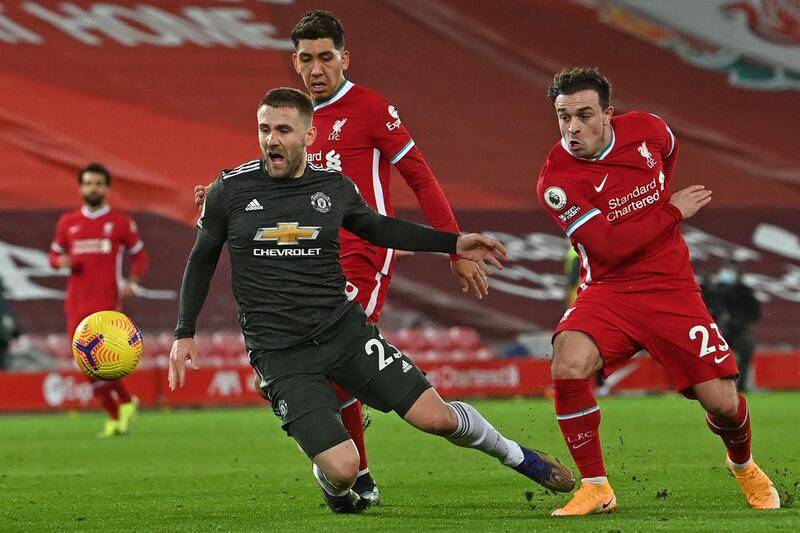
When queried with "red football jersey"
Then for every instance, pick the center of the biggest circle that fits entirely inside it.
(95, 241)
(360, 134)
(615, 208)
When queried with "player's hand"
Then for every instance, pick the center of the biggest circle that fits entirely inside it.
(64, 261)
(259, 390)
(130, 289)
(471, 276)
(199, 196)
(402, 254)
(477, 247)
(691, 199)
(182, 349)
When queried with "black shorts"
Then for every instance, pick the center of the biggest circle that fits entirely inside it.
(352, 353)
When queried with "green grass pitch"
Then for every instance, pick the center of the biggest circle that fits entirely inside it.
(234, 470)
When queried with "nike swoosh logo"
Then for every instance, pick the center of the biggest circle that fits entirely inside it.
(718, 360)
(605, 505)
(576, 446)
(599, 188)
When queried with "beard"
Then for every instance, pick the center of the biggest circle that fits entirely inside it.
(94, 200)
(292, 162)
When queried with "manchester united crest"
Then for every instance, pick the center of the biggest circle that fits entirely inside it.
(321, 202)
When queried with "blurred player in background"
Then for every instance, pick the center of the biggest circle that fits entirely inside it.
(572, 271)
(361, 136)
(605, 184)
(736, 309)
(90, 242)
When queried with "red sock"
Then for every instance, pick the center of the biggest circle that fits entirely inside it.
(122, 392)
(579, 419)
(102, 393)
(735, 433)
(353, 422)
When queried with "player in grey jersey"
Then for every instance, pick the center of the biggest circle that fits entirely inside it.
(300, 328)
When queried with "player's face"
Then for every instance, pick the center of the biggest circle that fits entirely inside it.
(321, 66)
(93, 189)
(283, 136)
(584, 124)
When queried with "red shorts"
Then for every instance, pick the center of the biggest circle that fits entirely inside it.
(674, 326)
(368, 278)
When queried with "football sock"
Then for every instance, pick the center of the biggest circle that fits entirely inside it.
(475, 432)
(326, 485)
(102, 393)
(353, 422)
(122, 392)
(578, 417)
(735, 432)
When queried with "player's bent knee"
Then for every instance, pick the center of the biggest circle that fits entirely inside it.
(341, 470)
(575, 356)
(723, 408)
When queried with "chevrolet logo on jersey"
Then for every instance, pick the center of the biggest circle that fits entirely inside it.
(287, 233)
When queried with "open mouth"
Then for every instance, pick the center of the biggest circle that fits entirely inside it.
(574, 145)
(275, 158)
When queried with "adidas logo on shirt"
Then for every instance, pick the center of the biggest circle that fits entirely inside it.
(254, 206)
(406, 367)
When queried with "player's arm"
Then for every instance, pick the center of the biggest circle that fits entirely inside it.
(417, 174)
(140, 260)
(395, 143)
(615, 243)
(211, 235)
(59, 254)
(667, 144)
(391, 232)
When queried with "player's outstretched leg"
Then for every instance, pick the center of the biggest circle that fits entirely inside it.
(351, 411)
(463, 425)
(728, 416)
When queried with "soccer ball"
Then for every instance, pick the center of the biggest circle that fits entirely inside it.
(107, 345)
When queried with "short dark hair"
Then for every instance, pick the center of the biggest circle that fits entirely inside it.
(289, 97)
(577, 79)
(94, 167)
(319, 24)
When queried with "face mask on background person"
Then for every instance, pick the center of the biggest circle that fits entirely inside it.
(726, 277)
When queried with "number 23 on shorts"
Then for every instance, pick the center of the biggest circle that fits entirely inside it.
(701, 332)
(376, 346)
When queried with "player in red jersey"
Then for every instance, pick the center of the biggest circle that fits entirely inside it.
(90, 242)
(361, 135)
(606, 184)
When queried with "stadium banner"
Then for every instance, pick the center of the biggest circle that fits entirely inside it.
(526, 296)
(234, 386)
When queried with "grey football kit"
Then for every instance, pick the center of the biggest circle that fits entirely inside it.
(299, 326)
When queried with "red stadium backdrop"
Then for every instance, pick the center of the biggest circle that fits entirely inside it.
(164, 94)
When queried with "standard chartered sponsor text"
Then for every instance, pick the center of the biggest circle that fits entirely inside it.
(638, 198)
